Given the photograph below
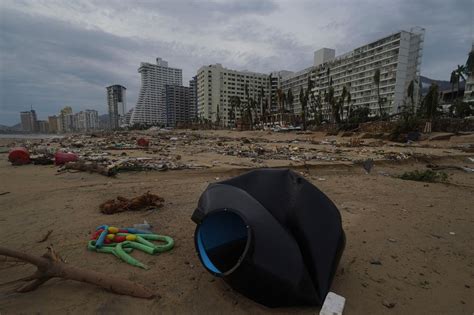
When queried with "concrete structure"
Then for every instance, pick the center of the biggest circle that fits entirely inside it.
(29, 122)
(86, 120)
(179, 108)
(43, 126)
(193, 97)
(127, 117)
(469, 88)
(275, 81)
(216, 85)
(117, 104)
(397, 56)
(65, 120)
(151, 105)
(53, 122)
(323, 55)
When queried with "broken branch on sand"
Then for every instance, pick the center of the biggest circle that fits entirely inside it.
(51, 265)
(45, 237)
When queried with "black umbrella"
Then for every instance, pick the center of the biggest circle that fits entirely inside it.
(272, 235)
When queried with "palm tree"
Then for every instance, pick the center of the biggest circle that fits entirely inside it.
(431, 102)
(349, 99)
(377, 83)
(342, 98)
(304, 102)
(290, 100)
(453, 80)
(331, 100)
(234, 105)
(410, 94)
(460, 71)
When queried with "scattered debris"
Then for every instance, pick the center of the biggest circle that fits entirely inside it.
(145, 226)
(367, 165)
(388, 304)
(45, 237)
(61, 158)
(51, 265)
(375, 262)
(121, 204)
(142, 142)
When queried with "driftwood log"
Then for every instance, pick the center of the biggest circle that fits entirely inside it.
(91, 167)
(51, 265)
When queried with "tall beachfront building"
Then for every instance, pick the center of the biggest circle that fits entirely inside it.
(151, 105)
(216, 86)
(29, 121)
(469, 89)
(397, 57)
(117, 105)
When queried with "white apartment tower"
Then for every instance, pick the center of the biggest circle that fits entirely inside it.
(469, 89)
(216, 86)
(397, 56)
(151, 105)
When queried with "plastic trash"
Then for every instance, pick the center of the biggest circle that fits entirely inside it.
(142, 142)
(19, 156)
(333, 304)
(61, 158)
(145, 226)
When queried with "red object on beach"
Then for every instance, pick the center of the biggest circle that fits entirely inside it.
(19, 156)
(143, 142)
(61, 158)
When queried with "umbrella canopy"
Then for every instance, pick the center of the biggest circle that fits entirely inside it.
(272, 235)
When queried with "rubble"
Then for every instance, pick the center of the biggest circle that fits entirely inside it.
(157, 149)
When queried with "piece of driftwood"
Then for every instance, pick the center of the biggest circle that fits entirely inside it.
(45, 237)
(90, 167)
(51, 265)
(122, 204)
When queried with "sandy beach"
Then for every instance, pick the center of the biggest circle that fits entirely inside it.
(421, 233)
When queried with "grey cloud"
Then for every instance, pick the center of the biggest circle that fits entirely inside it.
(49, 63)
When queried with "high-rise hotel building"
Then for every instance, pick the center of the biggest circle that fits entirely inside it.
(216, 86)
(151, 105)
(397, 57)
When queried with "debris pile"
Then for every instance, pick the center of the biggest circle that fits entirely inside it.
(121, 204)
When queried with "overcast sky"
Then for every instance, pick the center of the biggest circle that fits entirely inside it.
(57, 53)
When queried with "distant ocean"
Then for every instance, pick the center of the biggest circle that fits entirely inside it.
(28, 136)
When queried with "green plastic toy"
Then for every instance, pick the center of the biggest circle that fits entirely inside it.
(140, 242)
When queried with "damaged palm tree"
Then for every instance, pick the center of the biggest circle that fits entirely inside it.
(121, 204)
(51, 265)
